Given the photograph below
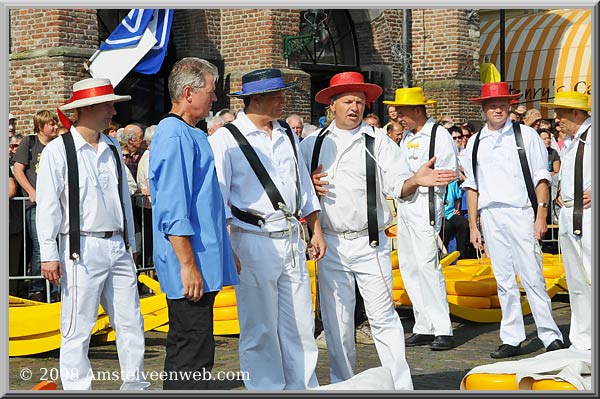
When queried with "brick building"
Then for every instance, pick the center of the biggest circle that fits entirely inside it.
(49, 46)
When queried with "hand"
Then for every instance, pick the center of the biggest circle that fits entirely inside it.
(427, 177)
(238, 264)
(539, 228)
(317, 181)
(476, 238)
(193, 285)
(558, 200)
(587, 199)
(51, 271)
(32, 197)
(456, 212)
(317, 247)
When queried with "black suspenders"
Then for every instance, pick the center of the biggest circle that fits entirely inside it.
(263, 176)
(73, 179)
(523, 160)
(372, 225)
(578, 186)
(431, 190)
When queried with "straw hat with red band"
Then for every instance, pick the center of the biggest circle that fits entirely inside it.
(495, 90)
(347, 82)
(89, 92)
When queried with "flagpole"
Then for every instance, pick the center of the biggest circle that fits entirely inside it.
(87, 63)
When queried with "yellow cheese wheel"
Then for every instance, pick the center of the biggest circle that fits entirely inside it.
(483, 288)
(475, 302)
(229, 313)
(397, 282)
(225, 298)
(551, 385)
(491, 382)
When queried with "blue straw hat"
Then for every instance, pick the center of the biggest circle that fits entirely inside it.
(262, 81)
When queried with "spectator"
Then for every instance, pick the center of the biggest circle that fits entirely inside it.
(213, 124)
(467, 131)
(457, 137)
(455, 224)
(144, 201)
(308, 129)
(112, 128)
(12, 125)
(27, 160)
(227, 115)
(15, 243)
(296, 124)
(372, 120)
(193, 253)
(512, 115)
(395, 132)
(392, 115)
(13, 146)
(533, 118)
(100, 270)
(446, 121)
(553, 157)
(521, 110)
(134, 134)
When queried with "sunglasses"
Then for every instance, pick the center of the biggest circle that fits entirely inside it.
(457, 137)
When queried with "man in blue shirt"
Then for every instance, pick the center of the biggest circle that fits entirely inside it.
(455, 225)
(192, 253)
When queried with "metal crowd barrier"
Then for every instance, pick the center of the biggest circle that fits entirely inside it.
(138, 200)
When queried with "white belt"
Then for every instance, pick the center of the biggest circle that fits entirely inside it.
(349, 235)
(270, 234)
(100, 234)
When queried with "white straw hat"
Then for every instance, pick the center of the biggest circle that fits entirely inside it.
(92, 91)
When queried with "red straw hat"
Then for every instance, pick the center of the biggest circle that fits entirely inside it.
(347, 82)
(495, 90)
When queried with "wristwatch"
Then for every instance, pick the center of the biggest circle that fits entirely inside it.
(543, 204)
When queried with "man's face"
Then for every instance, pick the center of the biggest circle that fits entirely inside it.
(297, 126)
(271, 104)
(348, 109)
(407, 115)
(371, 121)
(49, 129)
(395, 133)
(102, 115)
(392, 113)
(12, 127)
(565, 121)
(203, 98)
(137, 139)
(496, 112)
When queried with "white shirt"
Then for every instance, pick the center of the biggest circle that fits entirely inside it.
(567, 163)
(240, 186)
(344, 207)
(142, 172)
(415, 148)
(500, 180)
(99, 204)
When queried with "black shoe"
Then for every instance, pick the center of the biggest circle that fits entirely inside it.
(442, 343)
(506, 350)
(555, 345)
(418, 339)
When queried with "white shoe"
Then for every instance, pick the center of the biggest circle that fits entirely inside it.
(363, 334)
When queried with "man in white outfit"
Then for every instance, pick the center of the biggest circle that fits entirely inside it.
(572, 115)
(497, 189)
(92, 262)
(277, 346)
(419, 226)
(357, 253)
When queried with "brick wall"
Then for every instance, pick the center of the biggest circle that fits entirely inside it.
(48, 48)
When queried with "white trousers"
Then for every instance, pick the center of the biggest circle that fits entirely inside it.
(422, 275)
(345, 262)
(277, 345)
(577, 258)
(513, 250)
(104, 275)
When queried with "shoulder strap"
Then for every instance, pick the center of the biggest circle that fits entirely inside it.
(314, 162)
(257, 166)
(525, 168)
(120, 186)
(431, 190)
(73, 180)
(474, 154)
(288, 131)
(371, 191)
(578, 186)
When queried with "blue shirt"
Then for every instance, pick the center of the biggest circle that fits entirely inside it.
(453, 193)
(186, 201)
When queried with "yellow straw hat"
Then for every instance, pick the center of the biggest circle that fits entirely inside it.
(569, 99)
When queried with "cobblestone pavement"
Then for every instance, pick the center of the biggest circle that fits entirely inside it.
(430, 370)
